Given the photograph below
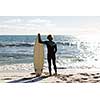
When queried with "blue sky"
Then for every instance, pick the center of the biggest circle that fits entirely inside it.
(74, 25)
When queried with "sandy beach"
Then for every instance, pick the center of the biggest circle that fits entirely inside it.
(24, 73)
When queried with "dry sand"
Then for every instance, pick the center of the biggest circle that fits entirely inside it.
(64, 75)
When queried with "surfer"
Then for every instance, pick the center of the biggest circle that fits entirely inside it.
(52, 49)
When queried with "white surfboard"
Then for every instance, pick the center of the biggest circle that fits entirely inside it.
(38, 57)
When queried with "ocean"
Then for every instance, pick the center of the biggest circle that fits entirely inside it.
(72, 51)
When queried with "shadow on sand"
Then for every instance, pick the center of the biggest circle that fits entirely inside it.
(29, 79)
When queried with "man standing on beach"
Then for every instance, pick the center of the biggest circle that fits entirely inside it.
(52, 49)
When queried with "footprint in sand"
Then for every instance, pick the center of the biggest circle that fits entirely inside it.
(97, 73)
(92, 74)
(70, 75)
(85, 74)
(7, 79)
(62, 77)
(84, 78)
(77, 80)
(58, 81)
(96, 77)
(69, 81)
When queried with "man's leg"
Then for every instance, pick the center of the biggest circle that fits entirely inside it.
(54, 64)
(49, 65)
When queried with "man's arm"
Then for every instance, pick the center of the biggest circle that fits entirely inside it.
(55, 48)
(39, 38)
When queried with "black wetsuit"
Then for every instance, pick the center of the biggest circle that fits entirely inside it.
(52, 49)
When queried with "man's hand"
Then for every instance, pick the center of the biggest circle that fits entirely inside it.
(38, 34)
(39, 38)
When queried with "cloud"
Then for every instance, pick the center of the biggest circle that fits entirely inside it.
(38, 20)
(28, 23)
(42, 22)
(12, 21)
(6, 29)
(34, 25)
(46, 28)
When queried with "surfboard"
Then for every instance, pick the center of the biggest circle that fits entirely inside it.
(38, 57)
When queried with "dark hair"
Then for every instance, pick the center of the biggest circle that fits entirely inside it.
(49, 37)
